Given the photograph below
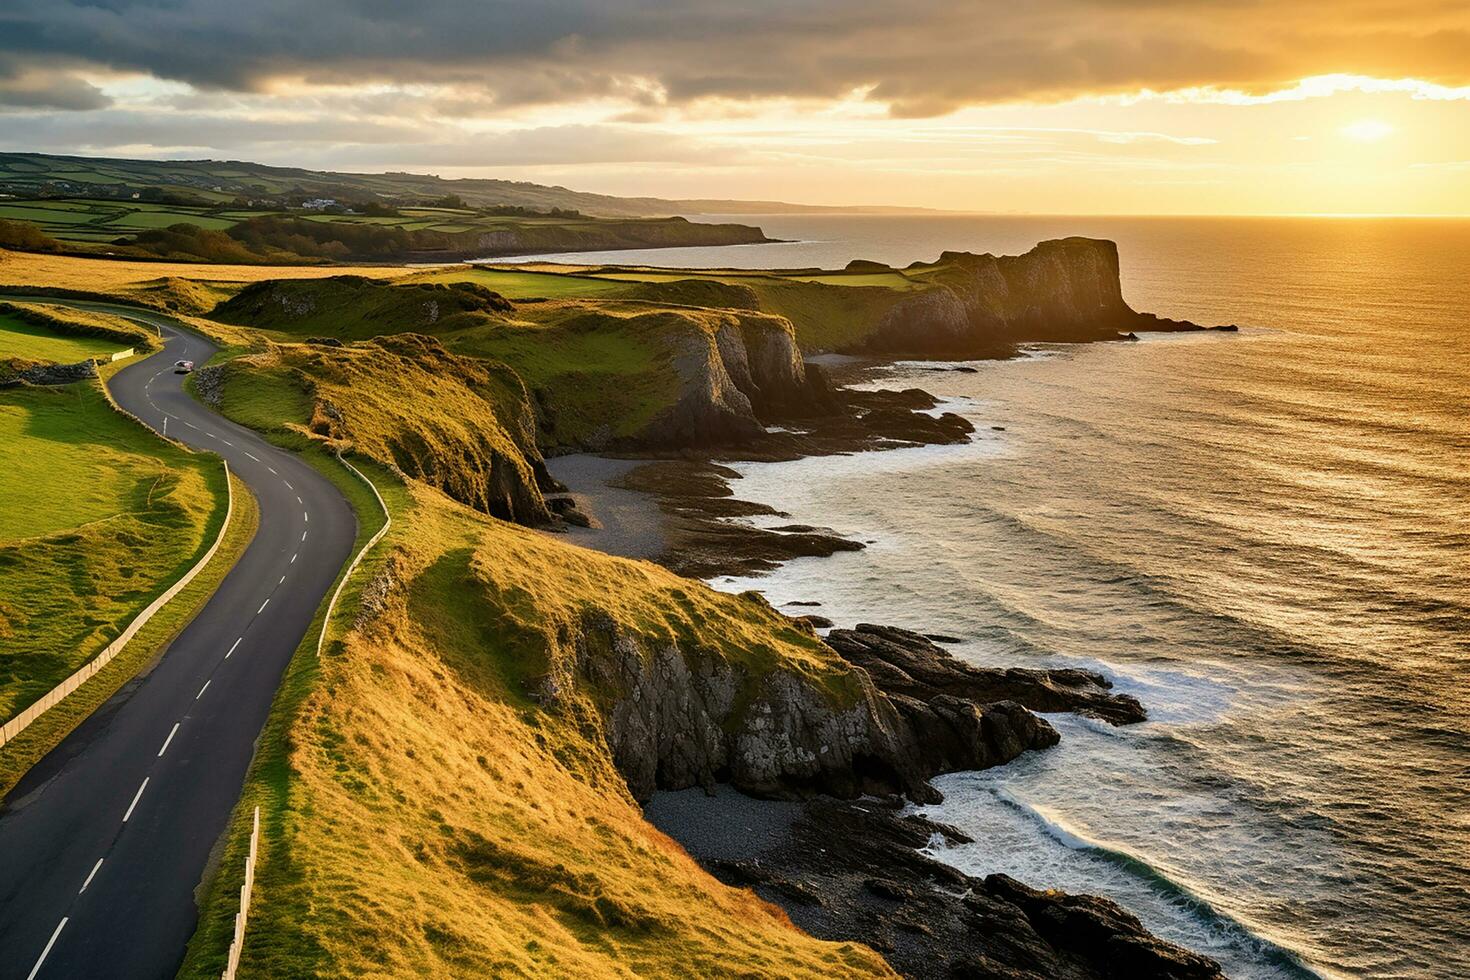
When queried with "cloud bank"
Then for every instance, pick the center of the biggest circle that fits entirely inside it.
(919, 58)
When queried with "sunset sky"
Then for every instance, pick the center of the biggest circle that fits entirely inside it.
(1060, 106)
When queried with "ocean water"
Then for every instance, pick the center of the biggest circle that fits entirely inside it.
(1265, 537)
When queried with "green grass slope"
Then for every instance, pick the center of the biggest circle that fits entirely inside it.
(355, 307)
(422, 816)
(41, 332)
(100, 516)
(462, 424)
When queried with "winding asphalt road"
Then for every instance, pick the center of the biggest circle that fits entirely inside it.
(105, 840)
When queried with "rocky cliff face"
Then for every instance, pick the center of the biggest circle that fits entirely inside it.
(1063, 290)
(678, 717)
(735, 370)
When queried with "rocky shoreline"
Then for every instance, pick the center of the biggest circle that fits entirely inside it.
(700, 532)
(850, 867)
(831, 841)
(856, 870)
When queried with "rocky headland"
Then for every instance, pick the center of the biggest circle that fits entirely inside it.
(1065, 290)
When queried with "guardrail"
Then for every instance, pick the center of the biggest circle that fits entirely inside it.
(232, 965)
(53, 697)
(387, 523)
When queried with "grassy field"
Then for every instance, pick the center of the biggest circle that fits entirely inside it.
(33, 342)
(47, 731)
(422, 817)
(599, 371)
(514, 284)
(100, 516)
(419, 233)
(182, 286)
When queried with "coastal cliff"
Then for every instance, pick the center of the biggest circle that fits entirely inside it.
(1061, 291)
(679, 717)
(734, 370)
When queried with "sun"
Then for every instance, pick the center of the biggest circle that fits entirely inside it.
(1367, 130)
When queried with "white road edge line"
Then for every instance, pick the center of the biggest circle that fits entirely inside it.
(263, 605)
(201, 691)
(90, 876)
(136, 797)
(45, 952)
(171, 733)
(232, 647)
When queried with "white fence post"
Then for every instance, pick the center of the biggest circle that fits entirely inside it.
(232, 962)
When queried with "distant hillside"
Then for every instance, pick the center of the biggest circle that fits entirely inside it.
(224, 182)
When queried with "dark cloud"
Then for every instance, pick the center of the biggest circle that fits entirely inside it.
(922, 57)
(28, 86)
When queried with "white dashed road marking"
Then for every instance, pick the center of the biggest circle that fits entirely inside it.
(262, 606)
(171, 733)
(90, 876)
(201, 691)
(37, 968)
(232, 647)
(136, 797)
